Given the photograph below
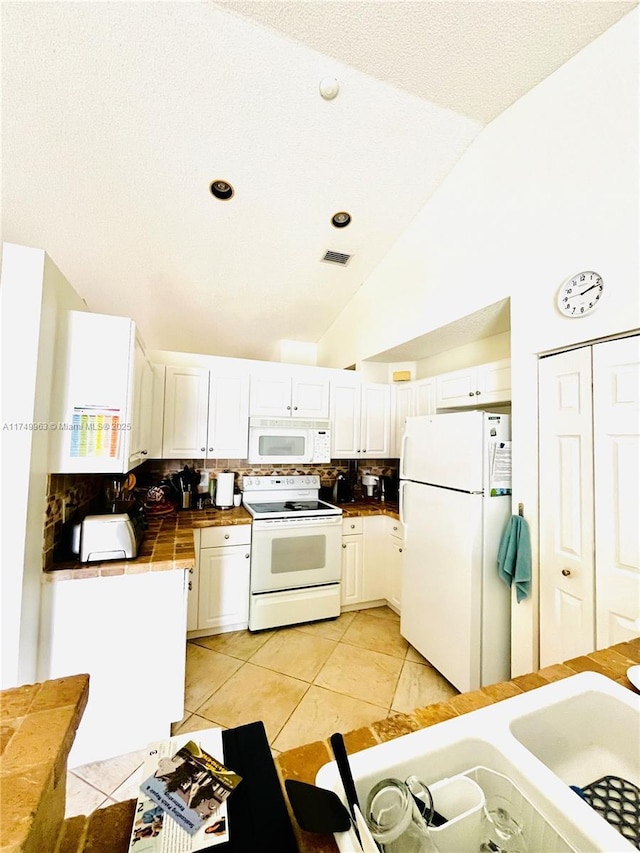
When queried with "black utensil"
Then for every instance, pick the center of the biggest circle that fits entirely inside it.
(317, 809)
(344, 768)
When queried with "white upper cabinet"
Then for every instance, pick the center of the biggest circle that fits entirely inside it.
(475, 386)
(425, 396)
(92, 409)
(205, 413)
(142, 408)
(283, 395)
(228, 432)
(186, 409)
(360, 419)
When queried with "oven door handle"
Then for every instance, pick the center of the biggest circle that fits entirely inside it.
(314, 522)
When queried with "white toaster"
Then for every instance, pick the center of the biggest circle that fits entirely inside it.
(105, 537)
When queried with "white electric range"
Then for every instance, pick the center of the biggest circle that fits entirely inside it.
(295, 551)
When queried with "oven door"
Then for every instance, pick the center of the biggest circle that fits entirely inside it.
(280, 444)
(295, 552)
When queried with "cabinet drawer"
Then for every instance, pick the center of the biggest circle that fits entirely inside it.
(217, 537)
(351, 526)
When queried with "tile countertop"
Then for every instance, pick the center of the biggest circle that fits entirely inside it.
(304, 762)
(168, 542)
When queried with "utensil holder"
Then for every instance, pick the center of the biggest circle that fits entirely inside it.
(461, 801)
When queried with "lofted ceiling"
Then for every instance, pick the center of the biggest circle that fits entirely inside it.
(117, 116)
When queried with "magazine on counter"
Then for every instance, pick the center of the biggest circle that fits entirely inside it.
(154, 830)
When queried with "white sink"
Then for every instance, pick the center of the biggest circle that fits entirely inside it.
(570, 732)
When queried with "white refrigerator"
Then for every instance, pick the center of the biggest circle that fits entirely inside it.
(455, 486)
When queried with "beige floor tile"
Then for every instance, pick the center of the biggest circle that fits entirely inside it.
(254, 693)
(361, 674)
(420, 685)
(238, 644)
(130, 788)
(415, 656)
(382, 612)
(206, 671)
(108, 774)
(323, 712)
(295, 653)
(82, 798)
(376, 634)
(192, 723)
(330, 629)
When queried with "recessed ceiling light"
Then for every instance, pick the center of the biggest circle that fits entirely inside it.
(341, 219)
(221, 189)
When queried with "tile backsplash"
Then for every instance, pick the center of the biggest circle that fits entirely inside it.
(83, 493)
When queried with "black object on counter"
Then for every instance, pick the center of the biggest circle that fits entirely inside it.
(316, 809)
(258, 816)
(344, 768)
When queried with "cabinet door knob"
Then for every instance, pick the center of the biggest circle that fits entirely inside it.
(190, 586)
(353, 526)
(203, 449)
(288, 408)
(478, 393)
(566, 572)
(395, 526)
(343, 545)
(400, 549)
(211, 450)
(190, 571)
(246, 556)
(144, 452)
(295, 408)
(226, 535)
(471, 393)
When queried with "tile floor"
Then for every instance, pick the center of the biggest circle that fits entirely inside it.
(303, 682)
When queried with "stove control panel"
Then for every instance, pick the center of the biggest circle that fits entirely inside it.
(272, 484)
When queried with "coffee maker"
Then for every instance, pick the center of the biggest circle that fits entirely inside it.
(342, 492)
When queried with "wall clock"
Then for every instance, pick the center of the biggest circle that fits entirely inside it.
(580, 294)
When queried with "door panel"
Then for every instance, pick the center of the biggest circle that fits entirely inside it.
(616, 390)
(567, 608)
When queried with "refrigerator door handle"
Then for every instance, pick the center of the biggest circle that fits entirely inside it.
(403, 485)
(403, 453)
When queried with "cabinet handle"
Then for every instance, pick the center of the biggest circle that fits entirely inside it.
(478, 393)
(211, 450)
(246, 556)
(471, 393)
(190, 586)
(288, 408)
(295, 408)
(343, 545)
(400, 549)
(190, 571)
(566, 572)
(395, 527)
(144, 452)
(203, 449)
(226, 535)
(353, 526)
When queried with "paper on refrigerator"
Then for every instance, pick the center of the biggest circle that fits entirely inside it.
(153, 830)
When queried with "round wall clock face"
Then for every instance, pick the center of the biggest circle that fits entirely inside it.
(579, 295)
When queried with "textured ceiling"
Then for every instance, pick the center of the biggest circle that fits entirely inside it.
(118, 115)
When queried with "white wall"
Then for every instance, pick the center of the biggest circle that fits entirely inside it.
(548, 189)
(32, 294)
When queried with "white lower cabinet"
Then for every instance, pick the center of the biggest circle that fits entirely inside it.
(371, 561)
(219, 590)
(396, 548)
(127, 631)
(352, 561)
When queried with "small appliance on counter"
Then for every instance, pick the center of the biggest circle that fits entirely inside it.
(113, 536)
(225, 486)
(370, 483)
(341, 492)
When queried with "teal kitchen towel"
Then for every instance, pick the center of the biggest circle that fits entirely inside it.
(514, 556)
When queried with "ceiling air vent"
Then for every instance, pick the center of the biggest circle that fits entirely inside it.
(336, 258)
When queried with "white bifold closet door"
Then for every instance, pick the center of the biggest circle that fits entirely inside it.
(589, 426)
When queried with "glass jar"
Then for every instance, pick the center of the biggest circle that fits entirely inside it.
(394, 819)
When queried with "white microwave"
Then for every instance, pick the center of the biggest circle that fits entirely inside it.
(279, 440)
